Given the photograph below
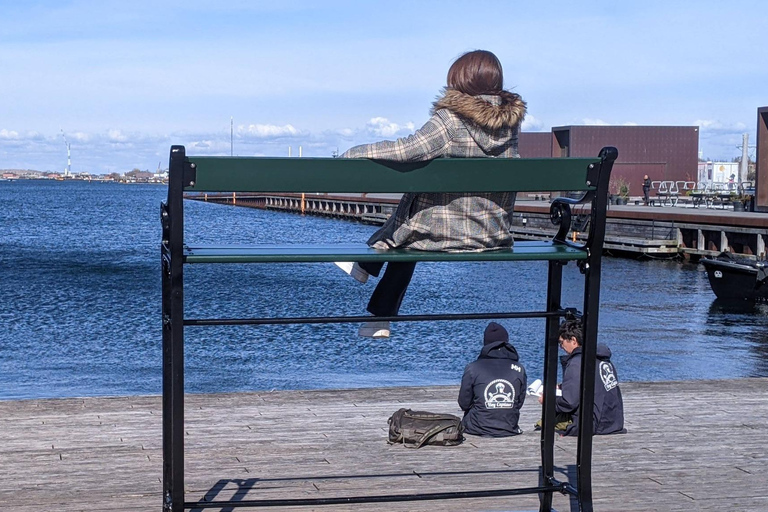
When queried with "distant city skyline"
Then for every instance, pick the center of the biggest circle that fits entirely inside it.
(125, 81)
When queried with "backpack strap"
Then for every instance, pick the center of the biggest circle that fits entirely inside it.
(428, 434)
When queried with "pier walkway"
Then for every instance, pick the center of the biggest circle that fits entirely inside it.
(692, 445)
(632, 229)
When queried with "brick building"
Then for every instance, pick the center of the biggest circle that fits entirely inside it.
(664, 153)
(761, 172)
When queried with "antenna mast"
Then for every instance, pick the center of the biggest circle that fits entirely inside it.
(68, 170)
(744, 167)
(231, 136)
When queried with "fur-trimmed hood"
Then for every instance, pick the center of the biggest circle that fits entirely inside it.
(490, 112)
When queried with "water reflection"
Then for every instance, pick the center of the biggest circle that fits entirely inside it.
(743, 324)
(743, 308)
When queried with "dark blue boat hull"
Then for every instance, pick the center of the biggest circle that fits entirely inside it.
(734, 278)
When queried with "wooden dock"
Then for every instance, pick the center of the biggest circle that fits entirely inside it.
(692, 445)
(630, 229)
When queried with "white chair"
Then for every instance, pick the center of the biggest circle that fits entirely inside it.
(662, 191)
(674, 193)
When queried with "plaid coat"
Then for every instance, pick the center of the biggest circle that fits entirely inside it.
(461, 126)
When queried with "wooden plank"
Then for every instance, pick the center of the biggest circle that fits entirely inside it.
(697, 445)
(265, 253)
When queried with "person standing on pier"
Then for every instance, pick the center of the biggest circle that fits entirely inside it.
(493, 387)
(474, 117)
(608, 413)
(646, 189)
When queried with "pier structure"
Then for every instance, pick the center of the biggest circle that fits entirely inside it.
(690, 233)
(690, 445)
(373, 210)
(650, 231)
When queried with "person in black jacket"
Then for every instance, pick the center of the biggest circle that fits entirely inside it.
(608, 412)
(646, 189)
(493, 387)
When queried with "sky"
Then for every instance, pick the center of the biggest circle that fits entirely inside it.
(123, 81)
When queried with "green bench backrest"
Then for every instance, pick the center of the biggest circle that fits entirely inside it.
(257, 174)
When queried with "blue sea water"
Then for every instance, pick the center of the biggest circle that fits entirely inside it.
(80, 305)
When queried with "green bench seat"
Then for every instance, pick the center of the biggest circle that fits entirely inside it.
(522, 251)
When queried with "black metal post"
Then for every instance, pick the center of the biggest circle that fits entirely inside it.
(592, 270)
(173, 350)
(554, 288)
(166, 317)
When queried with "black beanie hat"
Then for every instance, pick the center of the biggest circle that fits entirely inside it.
(495, 332)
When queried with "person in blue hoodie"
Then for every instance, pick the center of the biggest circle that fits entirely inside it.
(493, 387)
(608, 412)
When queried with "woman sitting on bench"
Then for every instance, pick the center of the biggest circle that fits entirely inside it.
(475, 117)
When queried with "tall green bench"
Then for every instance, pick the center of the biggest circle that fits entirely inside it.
(275, 175)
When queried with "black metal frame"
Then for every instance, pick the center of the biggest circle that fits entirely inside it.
(182, 174)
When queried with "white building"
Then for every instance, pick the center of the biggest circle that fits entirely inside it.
(718, 172)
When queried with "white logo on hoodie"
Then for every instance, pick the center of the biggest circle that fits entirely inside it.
(499, 394)
(608, 376)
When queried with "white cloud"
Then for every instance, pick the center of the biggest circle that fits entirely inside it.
(116, 136)
(531, 124)
(594, 122)
(209, 147)
(707, 124)
(716, 125)
(267, 131)
(382, 127)
(9, 134)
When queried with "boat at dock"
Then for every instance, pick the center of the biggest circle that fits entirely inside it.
(735, 277)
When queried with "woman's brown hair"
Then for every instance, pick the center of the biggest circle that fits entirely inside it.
(477, 72)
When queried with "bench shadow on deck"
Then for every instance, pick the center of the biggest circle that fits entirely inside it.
(693, 445)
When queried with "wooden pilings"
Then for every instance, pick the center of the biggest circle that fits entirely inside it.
(370, 210)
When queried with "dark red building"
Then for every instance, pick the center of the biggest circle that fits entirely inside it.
(664, 153)
(535, 144)
(761, 172)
